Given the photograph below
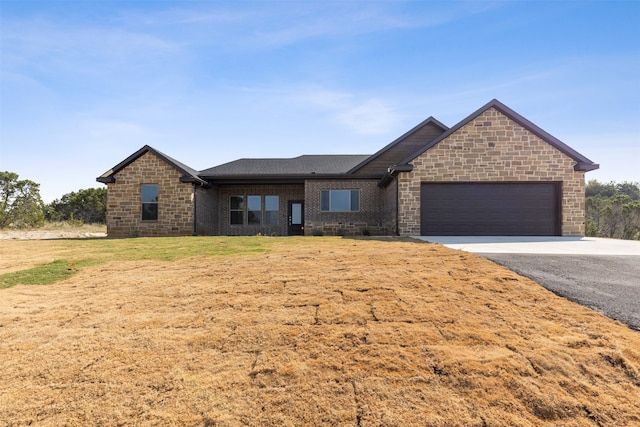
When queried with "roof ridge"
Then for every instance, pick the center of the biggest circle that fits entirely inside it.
(308, 163)
(582, 162)
(189, 174)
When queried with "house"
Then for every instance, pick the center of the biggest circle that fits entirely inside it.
(493, 173)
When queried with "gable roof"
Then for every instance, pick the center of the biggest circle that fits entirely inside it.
(401, 147)
(188, 174)
(297, 166)
(582, 163)
(384, 164)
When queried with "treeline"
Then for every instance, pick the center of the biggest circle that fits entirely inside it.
(22, 207)
(613, 210)
(87, 206)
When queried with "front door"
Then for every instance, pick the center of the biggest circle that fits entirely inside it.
(296, 218)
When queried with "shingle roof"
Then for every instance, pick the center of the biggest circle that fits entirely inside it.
(302, 165)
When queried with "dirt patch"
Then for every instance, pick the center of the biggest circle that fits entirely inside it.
(32, 252)
(49, 234)
(320, 332)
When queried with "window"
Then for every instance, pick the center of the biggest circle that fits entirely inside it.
(271, 210)
(237, 210)
(254, 210)
(340, 200)
(149, 198)
(251, 208)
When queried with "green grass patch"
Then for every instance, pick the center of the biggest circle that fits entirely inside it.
(43, 274)
(75, 254)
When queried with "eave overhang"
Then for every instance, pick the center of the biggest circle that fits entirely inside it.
(194, 180)
(392, 173)
(106, 179)
(278, 179)
(585, 167)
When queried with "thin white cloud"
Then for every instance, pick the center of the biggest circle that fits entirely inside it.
(183, 16)
(42, 44)
(110, 131)
(359, 114)
(369, 117)
(335, 22)
(265, 25)
(328, 99)
(41, 36)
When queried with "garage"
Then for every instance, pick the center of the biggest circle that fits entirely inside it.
(490, 209)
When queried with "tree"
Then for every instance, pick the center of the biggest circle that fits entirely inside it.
(631, 189)
(613, 210)
(88, 206)
(20, 202)
(597, 189)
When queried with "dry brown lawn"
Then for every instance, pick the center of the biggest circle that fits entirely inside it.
(316, 331)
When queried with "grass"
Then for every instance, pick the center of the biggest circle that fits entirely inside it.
(43, 274)
(166, 248)
(75, 254)
(262, 331)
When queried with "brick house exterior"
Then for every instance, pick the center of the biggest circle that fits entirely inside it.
(494, 172)
(285, 192)
(372, 217)
(175, 196)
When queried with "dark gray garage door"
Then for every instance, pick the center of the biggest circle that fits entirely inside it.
(489, 209)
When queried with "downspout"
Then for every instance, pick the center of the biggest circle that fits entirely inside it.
(392, 175)
(391, 171)
(385, 181)
(394, 172)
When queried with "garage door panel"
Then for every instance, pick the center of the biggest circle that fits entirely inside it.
(489, 209)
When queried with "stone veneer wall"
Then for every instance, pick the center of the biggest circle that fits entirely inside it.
(175, 200)
(285, 192)
(372, 218)
(493, 148)
(207, 212)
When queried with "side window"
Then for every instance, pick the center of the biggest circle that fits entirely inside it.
(340, 200)
(236, 212)
(149, 199)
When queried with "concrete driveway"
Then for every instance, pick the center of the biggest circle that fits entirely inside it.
(602, 274)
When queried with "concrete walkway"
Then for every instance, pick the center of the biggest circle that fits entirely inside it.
(538, 245)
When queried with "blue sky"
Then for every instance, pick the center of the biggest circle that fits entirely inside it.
(84, 84)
